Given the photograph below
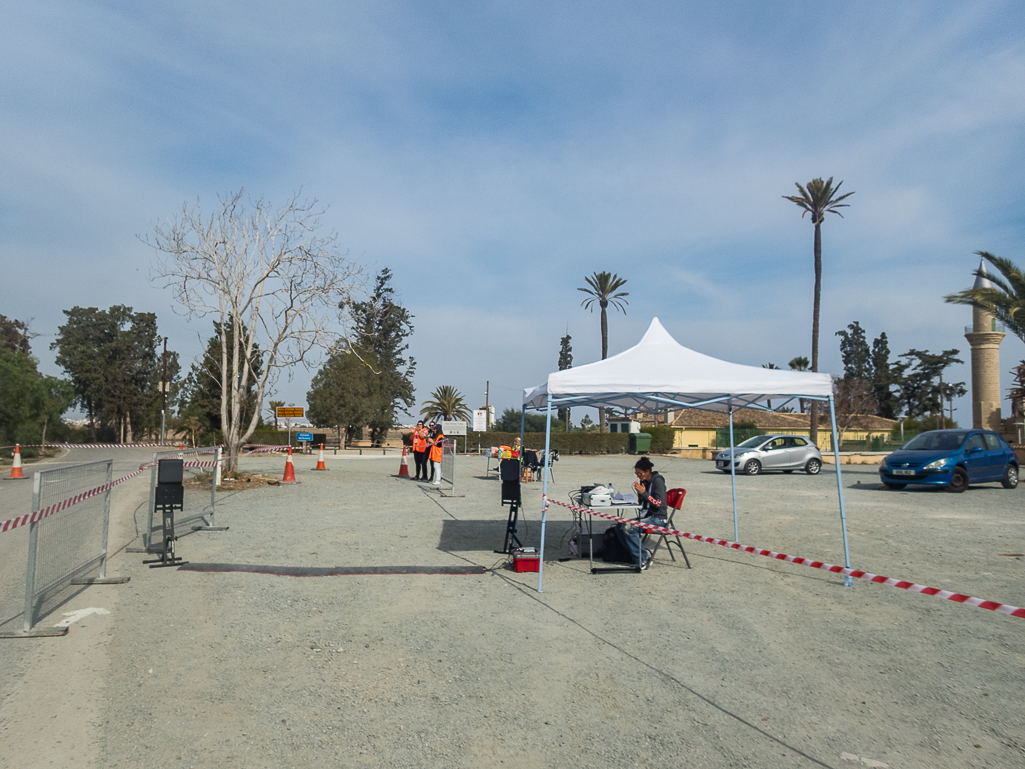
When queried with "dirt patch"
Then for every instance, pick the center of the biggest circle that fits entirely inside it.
(233, 482)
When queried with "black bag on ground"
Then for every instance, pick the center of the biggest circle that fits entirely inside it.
(612, 550)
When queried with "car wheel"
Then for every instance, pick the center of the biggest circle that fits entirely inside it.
(813, 466)
(753, 467)
(1010, 480)
(895, 486)
(958, 481)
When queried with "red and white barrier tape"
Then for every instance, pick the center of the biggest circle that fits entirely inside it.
(257, 447)
(46, 512)
(93, 446)
(1000, 608)
(260, 448)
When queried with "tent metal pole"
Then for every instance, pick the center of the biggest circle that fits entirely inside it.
(523, 423)
(544, 496)
(847, 580)
(733, 478)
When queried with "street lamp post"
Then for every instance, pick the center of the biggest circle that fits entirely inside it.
(163, 396)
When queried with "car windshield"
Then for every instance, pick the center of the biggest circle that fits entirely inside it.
(751, 443)
(936, 440)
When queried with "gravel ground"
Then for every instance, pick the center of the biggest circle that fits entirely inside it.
(738, 662)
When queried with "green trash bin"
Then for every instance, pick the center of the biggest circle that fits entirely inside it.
(640, 443)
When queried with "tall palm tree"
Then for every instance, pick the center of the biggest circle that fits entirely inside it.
(818, 198)
(800, 363)
(603, 288)
(1004, 300)
(272, 407)
(446, 403)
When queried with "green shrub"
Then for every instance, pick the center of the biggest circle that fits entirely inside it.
(661, 438)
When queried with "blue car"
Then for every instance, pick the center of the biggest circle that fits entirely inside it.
(951, 458)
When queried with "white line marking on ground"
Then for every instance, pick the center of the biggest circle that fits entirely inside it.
(75, 616)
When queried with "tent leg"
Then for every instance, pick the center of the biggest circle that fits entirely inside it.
(733, 479)
(523, 424)
(544, 496)
(847, 580)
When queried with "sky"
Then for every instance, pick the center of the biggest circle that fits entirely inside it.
(493, 154)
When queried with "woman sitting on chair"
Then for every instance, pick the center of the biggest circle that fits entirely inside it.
(651, 494)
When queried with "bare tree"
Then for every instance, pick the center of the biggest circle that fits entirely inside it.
(853, 404)
(272, 282)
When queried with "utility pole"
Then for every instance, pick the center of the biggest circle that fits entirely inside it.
(487, 405)
(163, 396)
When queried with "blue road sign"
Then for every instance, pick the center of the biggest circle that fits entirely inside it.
(304, 437)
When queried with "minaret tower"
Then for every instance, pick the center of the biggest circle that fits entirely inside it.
(985, 339)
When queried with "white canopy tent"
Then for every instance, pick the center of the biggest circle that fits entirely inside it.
(657, 375)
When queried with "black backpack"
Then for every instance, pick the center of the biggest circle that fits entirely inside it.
(612, 550)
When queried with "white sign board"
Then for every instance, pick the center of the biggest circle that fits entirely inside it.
(480, 420)
(454, 428)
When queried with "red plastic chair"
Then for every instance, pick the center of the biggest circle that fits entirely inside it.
(674, 500)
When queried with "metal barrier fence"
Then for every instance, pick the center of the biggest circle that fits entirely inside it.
(197, 515)
(67, 546)
(740, 434)
(877, 442)
(448, 468)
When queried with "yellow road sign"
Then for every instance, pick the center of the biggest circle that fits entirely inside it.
(291, 412)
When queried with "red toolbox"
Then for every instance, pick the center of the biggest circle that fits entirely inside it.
(525, 559)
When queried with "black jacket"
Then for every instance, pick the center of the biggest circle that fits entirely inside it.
(653, 498)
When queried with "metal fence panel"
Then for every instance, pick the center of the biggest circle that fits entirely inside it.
(740, 434)
(448, 468)
(878, 441)
(72, 542)
(198, 512)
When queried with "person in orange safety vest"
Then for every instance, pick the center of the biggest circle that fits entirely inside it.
(435, 454)
(420, 451)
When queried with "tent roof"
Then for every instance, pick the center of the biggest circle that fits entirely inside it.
(659, 373)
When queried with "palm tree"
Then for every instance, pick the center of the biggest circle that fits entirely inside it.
(603, 288)
(818, 199)
(800, 363)
(446, 403)
(1004, 299)
(272, 406)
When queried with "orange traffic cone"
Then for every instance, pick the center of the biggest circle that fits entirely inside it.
(320, 462)
(289, 469)
(403, 465)
(16, 472)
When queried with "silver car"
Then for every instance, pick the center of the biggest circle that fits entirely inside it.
(772, 452)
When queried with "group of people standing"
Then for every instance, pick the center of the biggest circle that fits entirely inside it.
(427, 448)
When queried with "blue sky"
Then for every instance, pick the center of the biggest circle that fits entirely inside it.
(493, 154)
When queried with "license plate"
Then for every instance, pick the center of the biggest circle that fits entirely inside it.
(903, 472)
